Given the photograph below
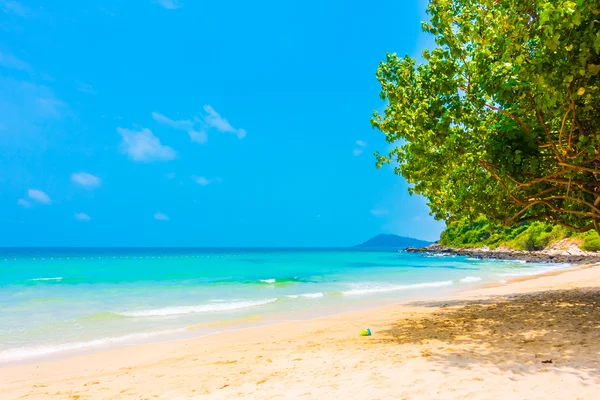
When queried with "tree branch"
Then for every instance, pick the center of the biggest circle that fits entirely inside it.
(541, 119)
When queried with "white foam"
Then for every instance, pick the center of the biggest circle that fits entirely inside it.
(58, 278)
(268, 280)
(383, 289)
(202, 308)
(509, 261)
(37, 351)
(523, 273)
(308, 295)
(470, 279)
(538, 270)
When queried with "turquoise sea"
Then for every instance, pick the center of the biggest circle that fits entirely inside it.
(55, 302)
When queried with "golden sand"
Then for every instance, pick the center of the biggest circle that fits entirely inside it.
(536, 339)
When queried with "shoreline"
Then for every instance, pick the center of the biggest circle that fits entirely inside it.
(260, 321)
(52, 353)
(234, 356)
(546, 274)
(106, 344)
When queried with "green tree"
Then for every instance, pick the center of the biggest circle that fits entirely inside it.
(502, 118)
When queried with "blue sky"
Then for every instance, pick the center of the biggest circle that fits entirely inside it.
(196, 123)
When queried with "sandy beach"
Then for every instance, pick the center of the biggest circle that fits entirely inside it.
(534, 338)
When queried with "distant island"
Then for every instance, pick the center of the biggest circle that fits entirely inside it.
(385, 241)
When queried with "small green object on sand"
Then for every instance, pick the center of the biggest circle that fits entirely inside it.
(366, 332)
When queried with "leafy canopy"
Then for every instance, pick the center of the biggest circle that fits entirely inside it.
(503, 117)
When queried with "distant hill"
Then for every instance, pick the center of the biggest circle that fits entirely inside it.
(392, 242)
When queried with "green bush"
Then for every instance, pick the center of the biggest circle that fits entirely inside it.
(591, 242)
(527, 236)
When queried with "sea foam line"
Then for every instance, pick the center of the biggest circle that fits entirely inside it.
(58, 278)
(539, 270)
(308, 295)
(397, 288)
(160, 312)
(37, 351)
(470, 279)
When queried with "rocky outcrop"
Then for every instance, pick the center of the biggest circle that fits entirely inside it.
(558, 253)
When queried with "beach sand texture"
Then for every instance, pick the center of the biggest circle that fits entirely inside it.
(530, 339)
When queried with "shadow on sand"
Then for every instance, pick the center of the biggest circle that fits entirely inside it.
(524, 333)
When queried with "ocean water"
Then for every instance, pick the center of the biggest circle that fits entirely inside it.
(55, 302)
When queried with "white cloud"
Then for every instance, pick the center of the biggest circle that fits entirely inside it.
(160, 217)
(24, 203)
(30, 114)
(39, 196)
(85, 88)
(49, 107)
(198, 136)
(11, 62)
(378, 212)
(183, 125)
(14, 7)
(215, 120)
(196, 127)
(81, 217)
(200, 180)
(143, 146)
(358, 151)
(86, 180)
(170, 4)
(28, 101)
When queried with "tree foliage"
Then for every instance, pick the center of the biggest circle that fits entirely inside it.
(502, 118)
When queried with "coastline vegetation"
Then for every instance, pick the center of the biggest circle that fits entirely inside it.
(535, 235)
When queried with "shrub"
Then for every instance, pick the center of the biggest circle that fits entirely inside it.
(526, 236)
(591, 242)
